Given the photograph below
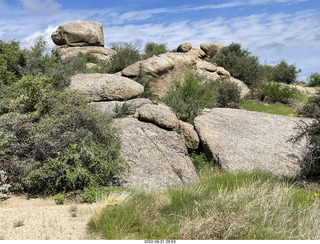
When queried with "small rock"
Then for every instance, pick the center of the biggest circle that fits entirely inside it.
(189, 135)
(184, 47)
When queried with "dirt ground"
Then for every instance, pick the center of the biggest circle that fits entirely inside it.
(23, 218)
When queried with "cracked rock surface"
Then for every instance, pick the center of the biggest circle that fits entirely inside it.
(157, 157)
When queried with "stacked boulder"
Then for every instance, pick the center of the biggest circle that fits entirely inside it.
(164, 68)
(80, 36)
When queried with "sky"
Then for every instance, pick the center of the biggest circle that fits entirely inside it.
(273, 30)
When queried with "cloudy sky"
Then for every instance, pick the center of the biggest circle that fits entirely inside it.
(273, 30)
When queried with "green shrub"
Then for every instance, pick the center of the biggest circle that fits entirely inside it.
(69, 146)
(314, 79)
(187, 98)
(126, 54)
(239, 62)
(285, 73)
(11, 61)
(152, 48)
(146, 82)
(272, 92)
(200, 161)
(59, 199)
(94, 193)
(311, 109)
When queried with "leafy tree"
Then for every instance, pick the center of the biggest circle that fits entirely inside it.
(285, 73)
(314, 79)
(239, 62)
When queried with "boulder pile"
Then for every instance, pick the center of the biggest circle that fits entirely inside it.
(80, 36)
(155, 144)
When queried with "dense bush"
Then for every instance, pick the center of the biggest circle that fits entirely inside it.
(272, 92)
(285, 73)
(314, 79)
(152, 48)
(311, 109)
(126, 54)
(187, 98)
(239, 62)
(50, 140)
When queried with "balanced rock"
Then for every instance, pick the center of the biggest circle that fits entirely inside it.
(79, 33)
(184, 47)
(104, 87)
(158, 114)
(246, 140)
(157, 157)
(189, 135)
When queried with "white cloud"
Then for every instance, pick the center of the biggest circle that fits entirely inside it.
(41, 6)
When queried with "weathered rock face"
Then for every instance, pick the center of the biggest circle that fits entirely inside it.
(110, 107)
(157, 157)
(100, 52)
(79, 33)
(189, 135)
(245, 140)
(158, 114)
(184, 47)
(164, 68)
(104, 87)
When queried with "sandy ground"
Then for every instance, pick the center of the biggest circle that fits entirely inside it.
(42, 219)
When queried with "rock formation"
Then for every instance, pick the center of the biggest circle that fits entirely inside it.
(245, 140)
(80, 36)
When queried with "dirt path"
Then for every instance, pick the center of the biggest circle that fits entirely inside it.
(42, 219)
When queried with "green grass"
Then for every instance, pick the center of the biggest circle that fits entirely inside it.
(276, 108)
(222, 205)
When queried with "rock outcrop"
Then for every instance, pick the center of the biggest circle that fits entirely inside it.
(245, 140)
(80, 36)
(105, 87)
(189, 135)
(157, 157)
(206, 47)
(165, 68)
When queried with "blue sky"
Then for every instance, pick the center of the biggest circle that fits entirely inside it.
(273, 30)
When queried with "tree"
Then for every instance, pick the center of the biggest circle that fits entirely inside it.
(314, 79)
(285, 73)
(152, 48)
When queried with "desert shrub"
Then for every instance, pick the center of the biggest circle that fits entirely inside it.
(152, 48)
(200, 161)
(212, 52)
(272, 92)
(68, 146)
(126, 54)
(311, 109)
(239, 62)
(12, 59)
(59, 199)
(229, 95)
(187, 98)
(314, 79)
(94, 193)
(285, 73)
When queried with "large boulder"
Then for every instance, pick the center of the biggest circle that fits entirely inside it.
(157, 157)
(101, 53)
(206, 47)
(246, 140)
(79, 33)
(105, 87)
(158, 114)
